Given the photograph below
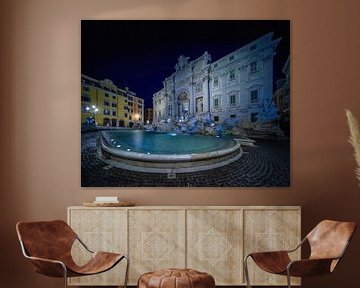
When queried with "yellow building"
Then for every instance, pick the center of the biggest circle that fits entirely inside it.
(108, 105)
(135, 109)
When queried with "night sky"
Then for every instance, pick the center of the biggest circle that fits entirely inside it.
(140, 54)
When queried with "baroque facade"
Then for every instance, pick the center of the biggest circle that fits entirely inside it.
(238, 85)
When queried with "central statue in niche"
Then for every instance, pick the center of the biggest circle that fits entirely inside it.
(184, 104)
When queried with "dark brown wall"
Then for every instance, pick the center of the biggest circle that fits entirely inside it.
(39, 110)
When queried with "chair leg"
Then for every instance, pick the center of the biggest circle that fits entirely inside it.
(127, 271)
(65, 275)
(288, 278)
(246, 272)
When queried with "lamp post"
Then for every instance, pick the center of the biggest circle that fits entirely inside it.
(92, 109)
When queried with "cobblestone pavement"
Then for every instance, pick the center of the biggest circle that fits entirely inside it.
(266, 165)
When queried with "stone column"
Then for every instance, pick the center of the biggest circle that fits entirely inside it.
(155, 120)
(224, 97)
(166, 99)
(175, 102)
(192, 98)
(206, 97)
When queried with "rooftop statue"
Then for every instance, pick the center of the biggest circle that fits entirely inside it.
(206, 58)
(182, 63)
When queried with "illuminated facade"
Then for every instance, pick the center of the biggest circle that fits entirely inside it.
(109, 105)
(238, 85)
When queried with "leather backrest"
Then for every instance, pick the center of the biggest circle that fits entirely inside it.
(46, 239)
(329, 238)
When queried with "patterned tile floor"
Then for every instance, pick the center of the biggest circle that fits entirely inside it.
(266, 165)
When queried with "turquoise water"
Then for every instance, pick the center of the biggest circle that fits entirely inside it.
(163, 143)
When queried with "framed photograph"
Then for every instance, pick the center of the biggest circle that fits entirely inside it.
(185, 103)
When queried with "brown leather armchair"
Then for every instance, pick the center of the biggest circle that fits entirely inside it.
(328, 242)
(48, 245)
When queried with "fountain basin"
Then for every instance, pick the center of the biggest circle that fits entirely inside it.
(166, 153)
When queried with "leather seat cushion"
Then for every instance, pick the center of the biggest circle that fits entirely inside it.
(176, 278)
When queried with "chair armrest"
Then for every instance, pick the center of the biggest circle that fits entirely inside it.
(268, 253)
(298, 246)
(281, 251)
(48, 267)
(84, 245)
(45, 260)
(309, 267)
(271, 261)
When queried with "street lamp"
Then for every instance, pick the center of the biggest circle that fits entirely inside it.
(93, 109)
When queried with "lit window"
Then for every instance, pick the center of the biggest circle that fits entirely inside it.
(106, 112)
